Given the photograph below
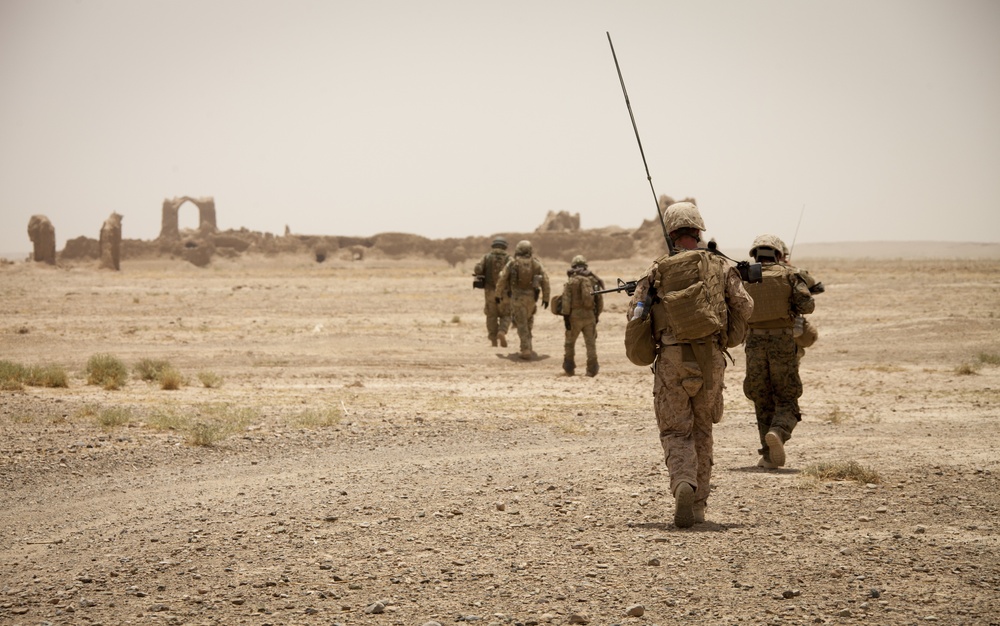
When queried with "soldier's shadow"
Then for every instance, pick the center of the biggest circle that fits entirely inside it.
(787, 471)
(707, 526)
(516, 357)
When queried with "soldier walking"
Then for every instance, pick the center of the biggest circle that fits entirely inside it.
(687, 309)
(772, 373)
(487, 271)
(580, 309)
(520, 283)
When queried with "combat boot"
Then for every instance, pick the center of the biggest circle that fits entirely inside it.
(568, 367)
(763, 462)
(699, 513)
(502, 338)
(526, 354)
(684, 506)
(493, 341)
(592, 369)
(775, 447)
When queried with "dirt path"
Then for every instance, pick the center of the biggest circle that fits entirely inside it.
(461, 485)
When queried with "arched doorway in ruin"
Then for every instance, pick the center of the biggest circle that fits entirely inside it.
(169, 228)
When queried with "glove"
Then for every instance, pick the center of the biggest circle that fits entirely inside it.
(545, 304)
(497, 299)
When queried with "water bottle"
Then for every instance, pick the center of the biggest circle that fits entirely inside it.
(640, 308)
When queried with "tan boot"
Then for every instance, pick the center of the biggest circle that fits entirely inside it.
(684, 506)
(699, 513)
(525, 354)
(775, 447)
(502, 338)
(493, 341)
(766, 464)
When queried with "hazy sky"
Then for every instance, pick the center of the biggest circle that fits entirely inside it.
(454, 118)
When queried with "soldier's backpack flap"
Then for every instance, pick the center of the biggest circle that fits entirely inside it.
(690, 314)
(524, 271)
(640, 347)
(692, 295)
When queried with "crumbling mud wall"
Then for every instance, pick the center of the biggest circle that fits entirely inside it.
(43, 238)
(169, 229)
(111, 243)
(563, 221)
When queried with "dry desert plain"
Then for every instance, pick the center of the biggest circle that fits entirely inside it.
(372, 460)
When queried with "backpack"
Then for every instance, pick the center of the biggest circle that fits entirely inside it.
(692, 290)
(522, 273)
(772, 297)
(493, 264)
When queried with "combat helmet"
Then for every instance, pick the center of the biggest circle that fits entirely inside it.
(763, 242)
(682, 215)
(500, 242)
(523, 248)
(579, 261)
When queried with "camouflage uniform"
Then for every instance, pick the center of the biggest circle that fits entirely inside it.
(522, 280)
(581, 310)
(772, 374)
(497, 313)
(689, 374)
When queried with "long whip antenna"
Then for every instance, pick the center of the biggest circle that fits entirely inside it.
(663, 225)
(796, 235)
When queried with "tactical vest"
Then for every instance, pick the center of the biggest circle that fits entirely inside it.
(493, 264)
(691, 286)
(522, 273)
(772, 297)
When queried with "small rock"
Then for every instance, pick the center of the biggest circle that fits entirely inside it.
(636, 610)
(375, 608)
(874, 593)
(432, 623)
(501, 506)
(844, 613)
(578, 618)
(655, 562)
(920, 530)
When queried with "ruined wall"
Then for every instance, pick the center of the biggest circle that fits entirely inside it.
(43, 237)
(169, 229)
(111, 242)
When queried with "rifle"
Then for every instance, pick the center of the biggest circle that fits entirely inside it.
(749, 272)
(627, 286)
(663, 225)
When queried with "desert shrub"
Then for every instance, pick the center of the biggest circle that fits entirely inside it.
(989, 358)
(167, 420)
(11, 376)
(114, 416)
(836, 416)
(47, 376)
(209, 379)
(845, 470)
(170, 379)
(150, 369)
(966, 369)
(107, 371)
(207, 433)
(317, 418)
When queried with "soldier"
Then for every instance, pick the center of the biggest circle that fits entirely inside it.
(772, 375)
(487, 272)
(687, 309)
(522, 280)
(580, 309)
(804, 331)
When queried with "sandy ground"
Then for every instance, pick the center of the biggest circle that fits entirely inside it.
(393, 468)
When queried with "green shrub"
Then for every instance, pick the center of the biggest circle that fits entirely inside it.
(989, 358)
(209, 379)
(150, 369)
(107, 371)
(47, 376)
(317, 418)
(114, 416)
(170, 379)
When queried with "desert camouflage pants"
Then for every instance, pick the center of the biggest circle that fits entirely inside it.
(772, 382)
(685, 410)
(497, 314)
(581, 322)
(522, 310)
